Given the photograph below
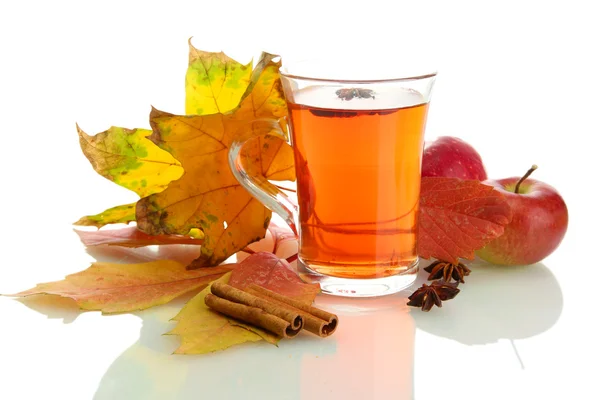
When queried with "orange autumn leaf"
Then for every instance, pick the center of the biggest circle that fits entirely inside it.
(208, 196)
(116, 288)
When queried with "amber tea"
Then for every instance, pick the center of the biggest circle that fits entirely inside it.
(358, 174)
(357, 147)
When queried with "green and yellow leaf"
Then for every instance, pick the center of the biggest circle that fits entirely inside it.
(129, 159)
(214, 83)
(117, 215)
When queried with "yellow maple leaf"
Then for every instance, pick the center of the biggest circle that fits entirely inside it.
(208, 196)
(202, 330)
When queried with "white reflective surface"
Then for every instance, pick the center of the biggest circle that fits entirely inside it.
(510, 83)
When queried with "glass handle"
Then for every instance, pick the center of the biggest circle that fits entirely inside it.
(258, 186)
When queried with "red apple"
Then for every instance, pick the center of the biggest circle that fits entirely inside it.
(538, 225)
(452, 157)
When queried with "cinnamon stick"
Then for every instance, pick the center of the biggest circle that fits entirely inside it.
(231, 293)
(252, 315)
(317, 321)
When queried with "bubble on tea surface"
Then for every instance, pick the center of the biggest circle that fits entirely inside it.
(384, 98)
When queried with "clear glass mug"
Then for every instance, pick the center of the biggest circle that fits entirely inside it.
(358, 142)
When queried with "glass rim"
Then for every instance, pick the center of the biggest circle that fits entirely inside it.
(325, 69)
(409, 77)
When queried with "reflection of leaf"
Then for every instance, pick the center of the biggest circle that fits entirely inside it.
(271, 272)
(457, 217)
(117, 215)
(130, 160)
(207, 196)
(203, 330)
(115, 288)
(131, 237)
(214, 83)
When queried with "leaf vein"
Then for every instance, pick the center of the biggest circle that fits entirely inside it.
(149, 160)
(210, 84)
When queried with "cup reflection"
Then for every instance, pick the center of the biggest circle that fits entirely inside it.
(374, 351)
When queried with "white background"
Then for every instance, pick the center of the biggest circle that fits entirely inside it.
(517, 79)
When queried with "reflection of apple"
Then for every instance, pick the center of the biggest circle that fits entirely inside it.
(495, 304)
(452, 157)
(538, 225)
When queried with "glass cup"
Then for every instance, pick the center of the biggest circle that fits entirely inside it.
(358, 143)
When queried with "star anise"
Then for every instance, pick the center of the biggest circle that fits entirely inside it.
(447, 271)
(428, 295)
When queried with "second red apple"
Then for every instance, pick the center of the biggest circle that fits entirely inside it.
(452, 157)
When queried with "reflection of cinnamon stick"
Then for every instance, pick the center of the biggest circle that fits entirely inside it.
(316, 321)
(230, 293)
(252, 315)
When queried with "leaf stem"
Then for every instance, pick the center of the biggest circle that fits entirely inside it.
(286, 189)
(533, 168)
(248, 250)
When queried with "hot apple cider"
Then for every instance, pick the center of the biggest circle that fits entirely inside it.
(358, 163)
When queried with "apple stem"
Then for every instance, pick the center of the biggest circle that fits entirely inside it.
(533, 168)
